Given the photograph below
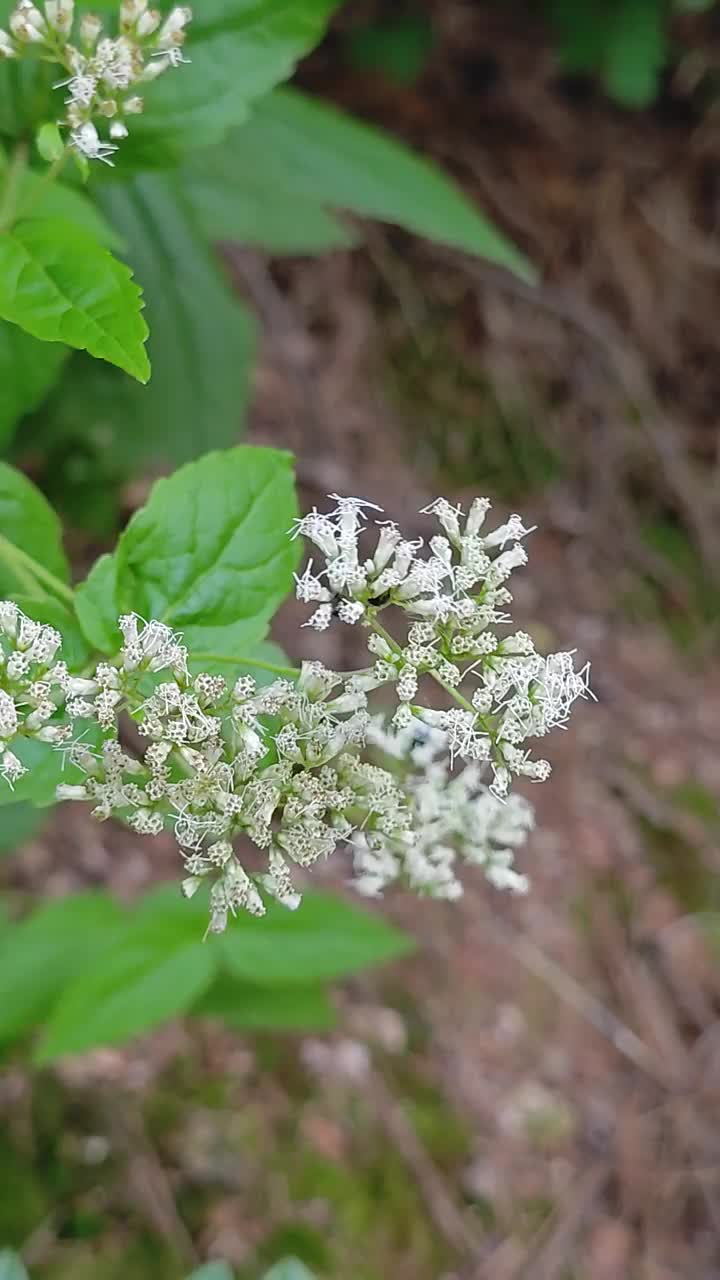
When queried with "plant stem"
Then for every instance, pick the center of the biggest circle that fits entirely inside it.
(28, 571)
(242, 661)
(453, 693)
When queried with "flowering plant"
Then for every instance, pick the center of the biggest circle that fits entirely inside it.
(304, 763)
(131, 139)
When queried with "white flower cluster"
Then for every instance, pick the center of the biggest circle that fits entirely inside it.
(292, 767)
(33, 687)
(279, 765)
(453, 818)
(453, 596)
(105, 73)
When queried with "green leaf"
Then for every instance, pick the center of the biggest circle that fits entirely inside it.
(61, 286)
(248, 1007)
(40, 199)
(42, 954)
(29, 522)
(28, 371)
(325, 938)
(19, 823)
(210, 553)
(47, 767)
(231, 203)
(305, 150)
(202, 339)
(49, 142)
(11, 1266)
(289, 1269)
(136, 986)
(213, 1271)
(238, 50)
(97, 608)
(636, 52)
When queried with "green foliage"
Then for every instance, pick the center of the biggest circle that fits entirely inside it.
(30, 524)
(28, 371)
(93, 975)
(210, 553)
(61, 286)
(399, 48)
(18, 823)
(239, 49)
(283, 947)
(11, 1268)
(626, 43)
(299, 149)
(256, 165)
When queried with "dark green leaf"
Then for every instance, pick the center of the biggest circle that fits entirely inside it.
(247, 1007)
(202, 340)
(636, 51)
(248, 207)
(210, 553)
(305, 150)
(39, 956)
(127, 991)
(28, 522)
(325, 938)
(61, 286)
(97, 607)
(28, 370)
(19, 823)
(238, 50)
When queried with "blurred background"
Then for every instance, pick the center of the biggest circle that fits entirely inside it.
(532, 1095)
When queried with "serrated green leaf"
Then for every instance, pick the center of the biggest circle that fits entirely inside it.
(129, 991)
(60, 286)
(97, 608)
(305, 149)
(238, 50)
(325, 938)
(247, 1007)
(213, 1271)
(202, 339)
(11, 1266)
(28, 522)
(40, 955)
(28, 370)
(19, 823)
(210, 554)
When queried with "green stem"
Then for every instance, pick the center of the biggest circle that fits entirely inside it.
(241, 661)
(16, 168)
(30, 573)
(453, 693)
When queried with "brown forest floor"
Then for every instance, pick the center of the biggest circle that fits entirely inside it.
(535, 1095)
